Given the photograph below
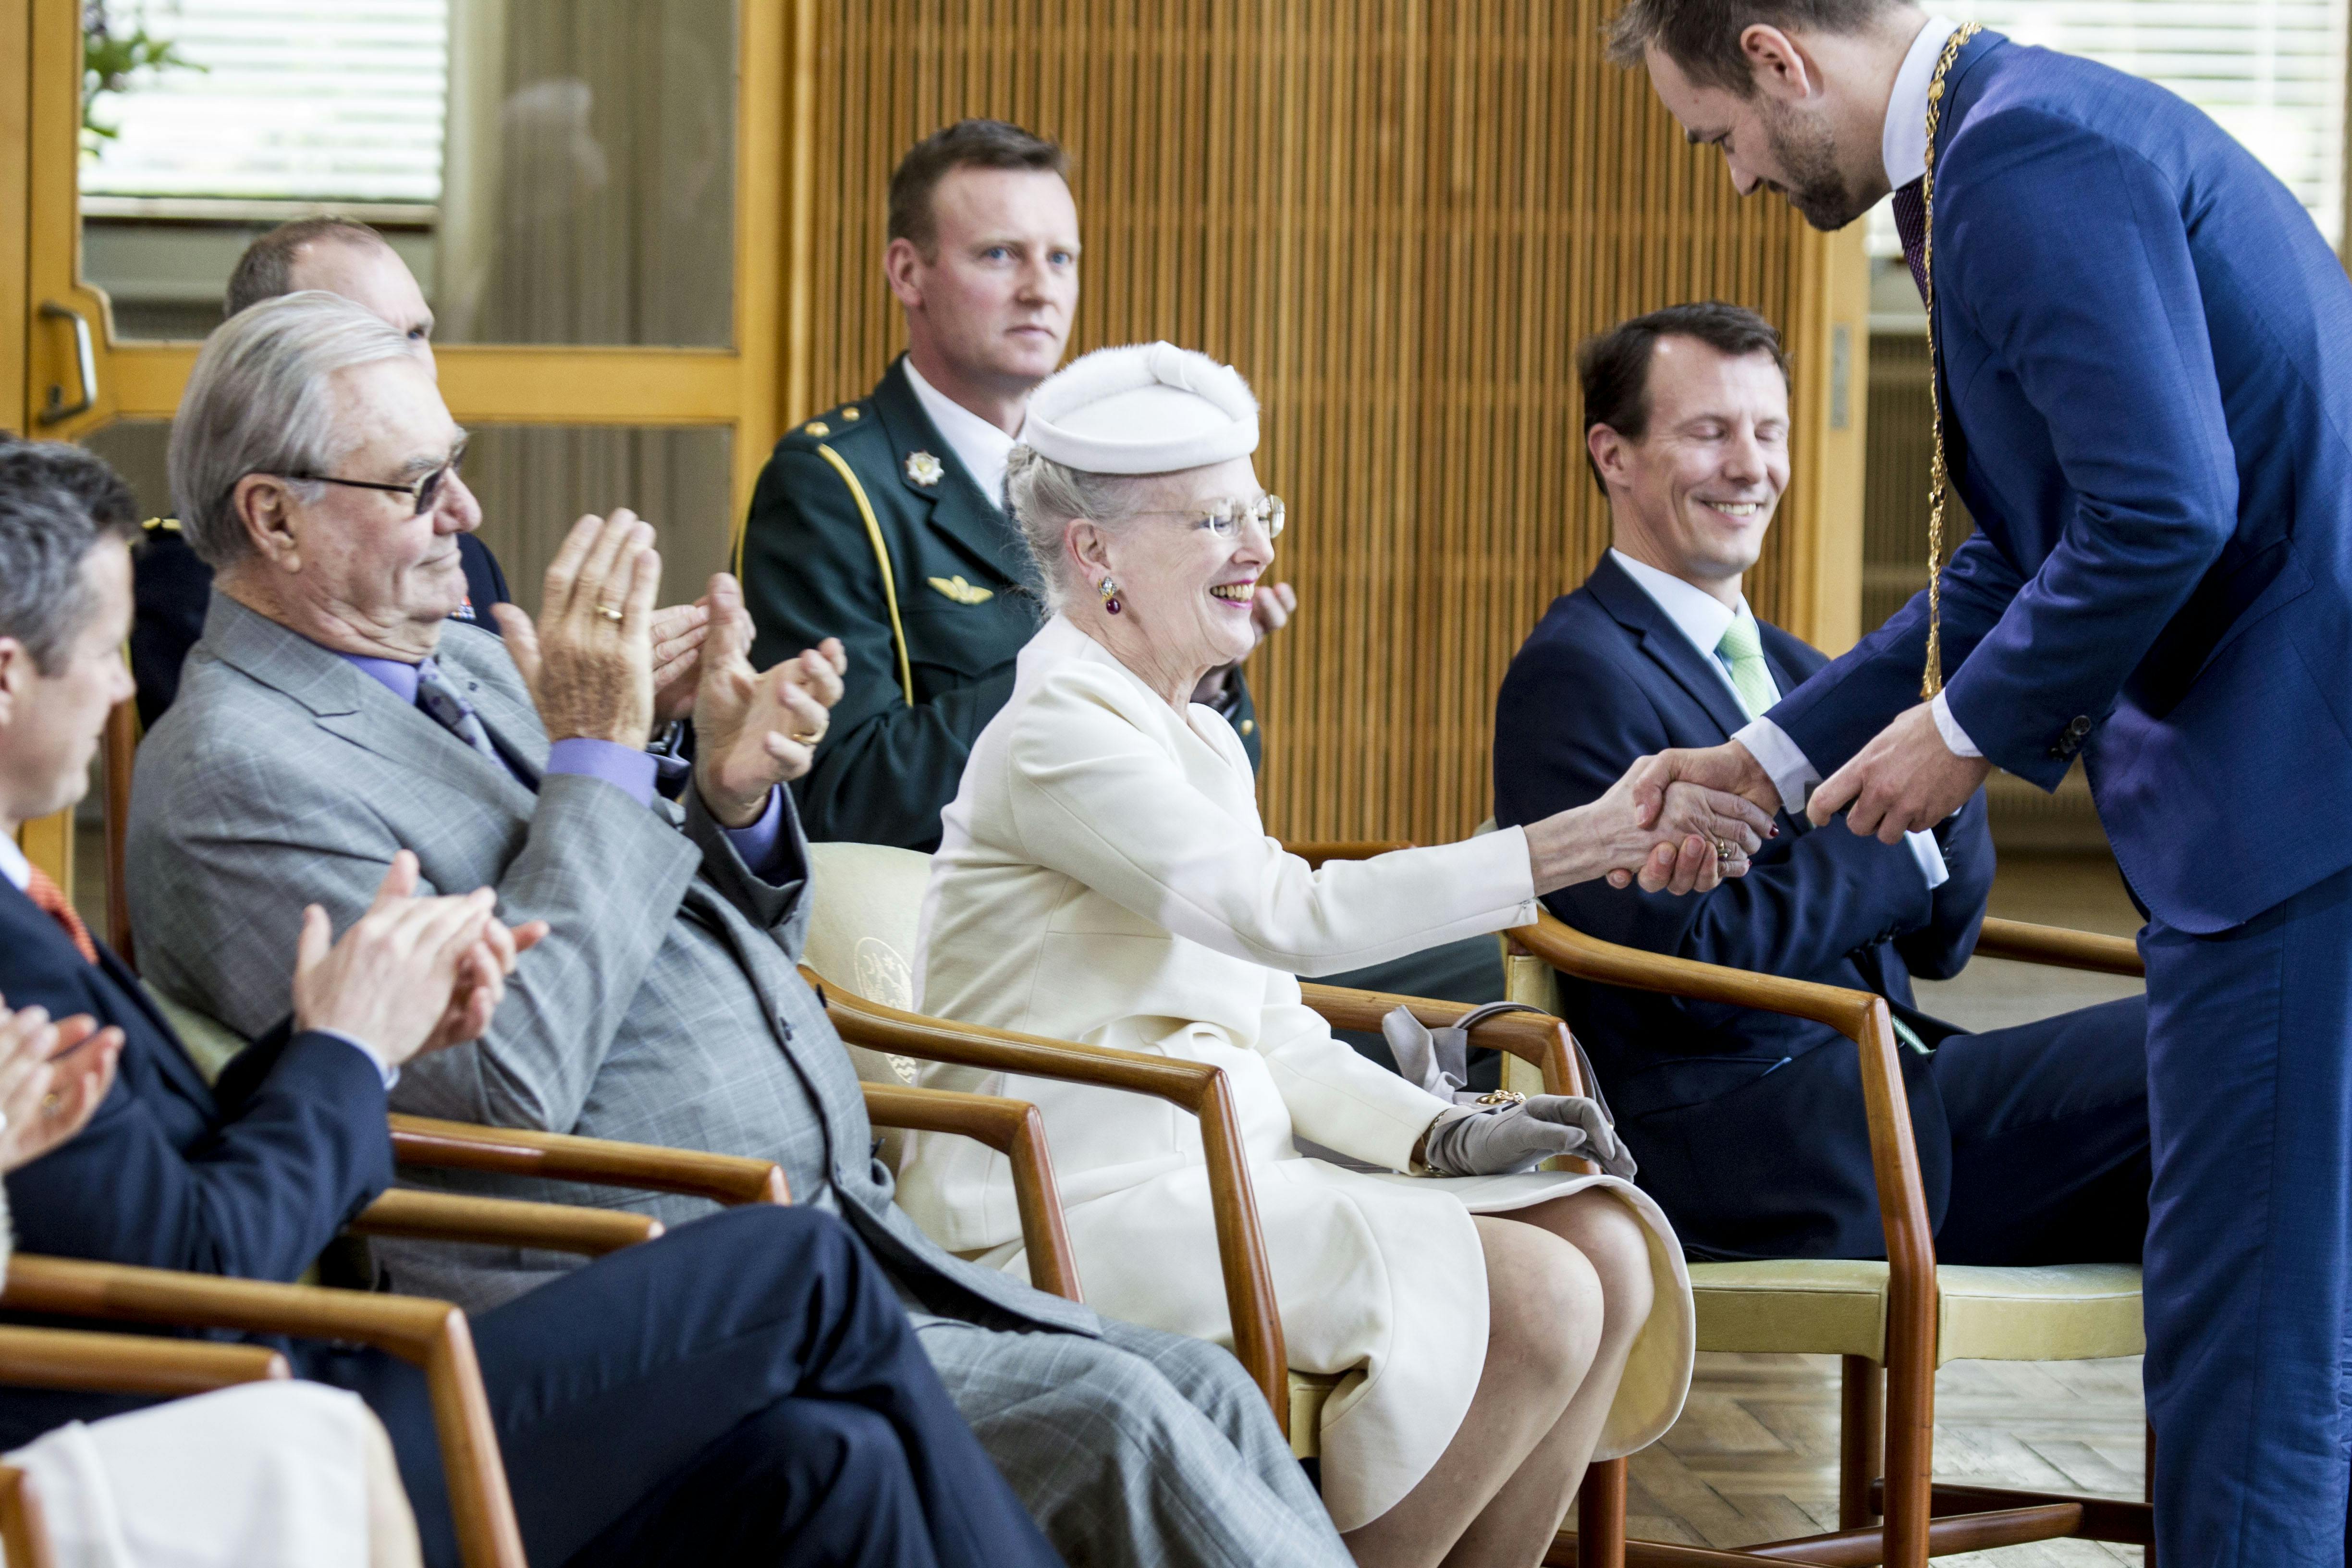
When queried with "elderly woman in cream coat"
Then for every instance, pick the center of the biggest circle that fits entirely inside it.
(1104, 877)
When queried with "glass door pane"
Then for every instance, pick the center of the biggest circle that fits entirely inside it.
(556, 172)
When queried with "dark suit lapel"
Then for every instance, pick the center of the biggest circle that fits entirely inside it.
(1633, 608)
(115, 997)
(953, 505)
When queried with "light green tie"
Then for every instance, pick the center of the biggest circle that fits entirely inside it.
(1743, 649)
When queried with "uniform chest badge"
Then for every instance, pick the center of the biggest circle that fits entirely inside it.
(961, 592)
(924, 468)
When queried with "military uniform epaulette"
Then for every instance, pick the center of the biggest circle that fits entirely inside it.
(848, 419)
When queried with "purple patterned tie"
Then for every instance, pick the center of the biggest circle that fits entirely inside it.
(444, 703)
(1911, 222)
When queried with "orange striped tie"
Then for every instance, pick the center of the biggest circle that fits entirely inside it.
(51, 900)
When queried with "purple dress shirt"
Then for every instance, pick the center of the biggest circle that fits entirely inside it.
(626, 768)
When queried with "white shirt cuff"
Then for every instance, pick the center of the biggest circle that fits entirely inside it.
(1778, 755)
(1930, 855)
(1949, 727)
(389, 1074)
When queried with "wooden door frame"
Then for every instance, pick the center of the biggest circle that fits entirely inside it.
(750, 389)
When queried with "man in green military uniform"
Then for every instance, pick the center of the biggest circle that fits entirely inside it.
(882, 522)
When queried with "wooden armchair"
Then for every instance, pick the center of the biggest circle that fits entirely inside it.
(1906, 1314)
(860, 954)
(431, 1335)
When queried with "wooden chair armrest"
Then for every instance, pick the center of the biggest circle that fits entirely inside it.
(727, 1179)
(1195, 1086)
(2058, 948)
(432, 1335)
(130, 1364)
(24, 1533)
(1863, 1018)
(1316, 851)
(1539, 1040)
(1015, 1130)
(503, 1222)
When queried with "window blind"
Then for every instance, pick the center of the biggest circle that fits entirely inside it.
(2271, 72)
(310, 102)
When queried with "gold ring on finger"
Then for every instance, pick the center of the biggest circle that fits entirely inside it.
(808, 737)
(611, 612)
(1725, 850)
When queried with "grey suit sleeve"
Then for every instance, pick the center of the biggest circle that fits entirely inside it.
(230, 844)
(779, 906)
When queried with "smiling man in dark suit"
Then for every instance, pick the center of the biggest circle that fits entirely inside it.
(2032, 1140)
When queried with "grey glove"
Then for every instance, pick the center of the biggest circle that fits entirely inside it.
(1465, 1142)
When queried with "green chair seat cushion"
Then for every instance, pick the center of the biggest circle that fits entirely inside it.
(2063, 1312)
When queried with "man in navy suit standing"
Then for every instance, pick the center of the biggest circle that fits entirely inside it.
(2033, 1140)
(746, 1390)
(2146, 405)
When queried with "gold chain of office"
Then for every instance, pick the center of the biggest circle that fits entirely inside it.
(1931, 681)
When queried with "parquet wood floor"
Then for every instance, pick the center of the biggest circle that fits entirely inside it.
(1754, 1456)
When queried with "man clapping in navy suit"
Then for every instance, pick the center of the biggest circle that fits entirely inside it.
(745, 1390)
(2033, 1140)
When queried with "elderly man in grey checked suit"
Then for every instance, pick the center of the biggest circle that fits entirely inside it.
(333, 715)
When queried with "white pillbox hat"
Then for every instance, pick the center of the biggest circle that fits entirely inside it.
(1146, 408)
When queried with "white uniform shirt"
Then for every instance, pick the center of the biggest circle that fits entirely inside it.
(979, 445)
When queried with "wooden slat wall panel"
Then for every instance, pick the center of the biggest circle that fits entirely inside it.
(1397, 218)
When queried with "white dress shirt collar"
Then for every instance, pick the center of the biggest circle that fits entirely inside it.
(13, 863)
(1700, 616)
(1904, 142)
(979, 445)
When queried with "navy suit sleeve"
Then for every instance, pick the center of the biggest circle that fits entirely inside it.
(1567, 725)
(1841, 708)
(299, 1147)
(2101, 321)
(2109, 343)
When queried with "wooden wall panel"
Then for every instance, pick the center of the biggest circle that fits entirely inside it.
(1397, 218)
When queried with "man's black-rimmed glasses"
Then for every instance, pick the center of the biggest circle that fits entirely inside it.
(424, 493)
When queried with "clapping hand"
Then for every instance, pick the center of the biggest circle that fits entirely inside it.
(677, 632)
(756, 729)
(588, 660)
(1520, 1137)
(52, 1076)
(411, 975)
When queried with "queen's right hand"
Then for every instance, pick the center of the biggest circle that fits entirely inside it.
(1701, 836)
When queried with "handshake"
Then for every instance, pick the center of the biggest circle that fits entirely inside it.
(1667, 834)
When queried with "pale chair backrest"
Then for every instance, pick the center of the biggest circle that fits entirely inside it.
(866, 907)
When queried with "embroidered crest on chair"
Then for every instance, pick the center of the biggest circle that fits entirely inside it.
(961, 592)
